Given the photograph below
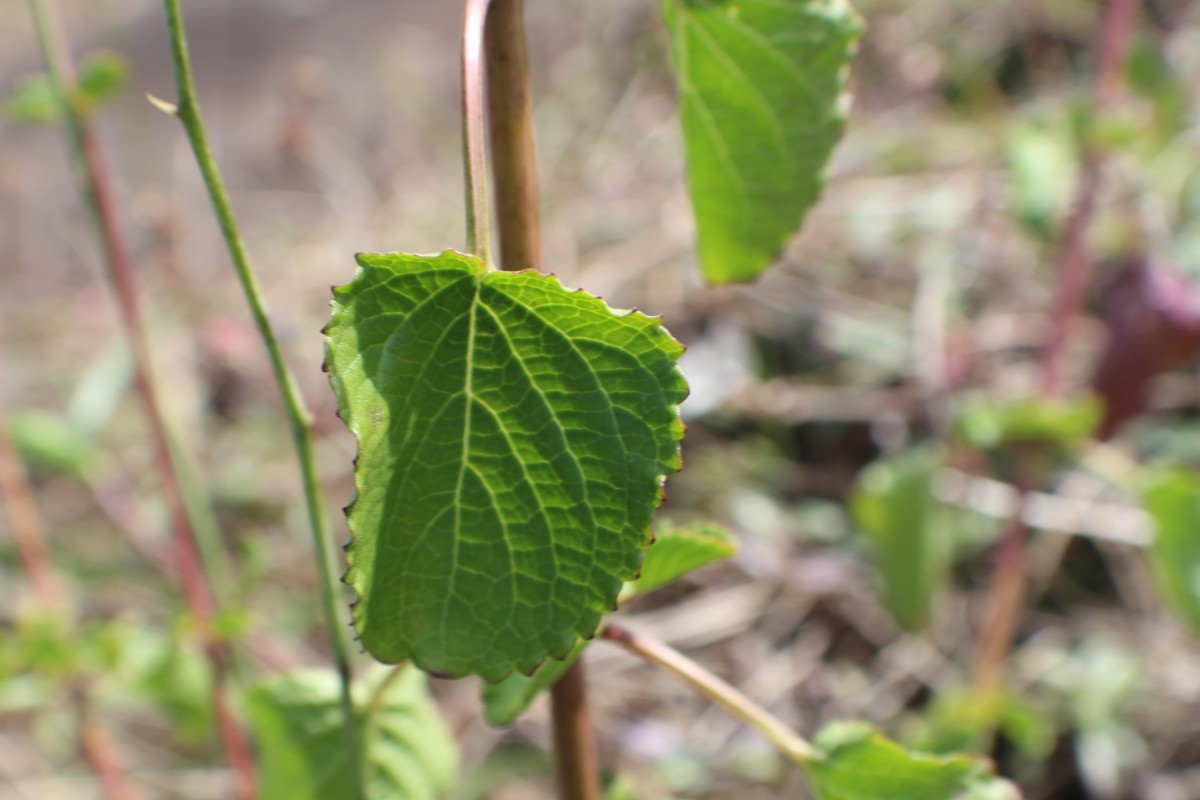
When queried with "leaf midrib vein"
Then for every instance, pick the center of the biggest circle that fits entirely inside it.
(469, 397)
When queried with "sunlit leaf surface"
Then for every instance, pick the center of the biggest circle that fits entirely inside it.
(513, 439)
(762, 101)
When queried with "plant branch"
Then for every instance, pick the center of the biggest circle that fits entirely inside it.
(188, 113)
(514, 158)
(29, 534)
(772, 729)
(514, 166)
(576, 763)
(99, 750)
(474, 143)
(1075, 266)
(1074, 275)
(96, 185)
(1004, 601)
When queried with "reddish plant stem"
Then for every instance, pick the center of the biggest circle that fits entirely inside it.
(1004, 603)
(576, 764)
(1075, 266)
(26, 523)
(1074, 275)
(514, 169)
(475, 160)
(29, 535)
(514, 156)
(96, 185)
(99, 751)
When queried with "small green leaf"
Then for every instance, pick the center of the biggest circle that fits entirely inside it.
(53, 441)
(101, 75)
(762, 102)
(961, 721)
(508, 699)
(33, 101)
(513, 440)
(297, 722)
(174, 675)
(678, 551)
(856, 762)
(987, 424)
(1172, 499)
(909, 530)
(1044, 162)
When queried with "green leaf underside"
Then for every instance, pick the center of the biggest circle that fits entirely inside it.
(675, 552)
(762, 103)
(297, 722)
(503, 702)
(513, 439)
(858, 763)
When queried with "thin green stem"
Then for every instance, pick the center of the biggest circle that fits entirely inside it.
(474, 141)
(193, 574)
(772, 729)
(188, 112)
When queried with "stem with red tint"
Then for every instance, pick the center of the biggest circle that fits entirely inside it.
(514, 170)
(1075, 267)
(96, 186)
(26, 523)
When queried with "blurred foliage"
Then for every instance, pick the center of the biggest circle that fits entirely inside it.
(910, 531)
(33, 100)
(1172, 498)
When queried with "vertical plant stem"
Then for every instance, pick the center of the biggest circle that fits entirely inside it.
(26, 523)
(29, 534)
(514, 156)
(1004, 604)
(97, 188)
(789, 742)
(1074, 274)
(99, 751)
(1117, 27)
(474, 143)
(188, 112)
(514, 167)
(576, 764)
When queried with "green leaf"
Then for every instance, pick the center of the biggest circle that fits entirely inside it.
(762, 102)
(297, 722)
(101, 75)
(856, 762)
(53, 441)
(678, 551)
(910, 531)
(1172, 499)
(959, 720)
(513, 439)
(675, 552)
(503, 702)
(988, 424)
(33, 101)
(1044, 160)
